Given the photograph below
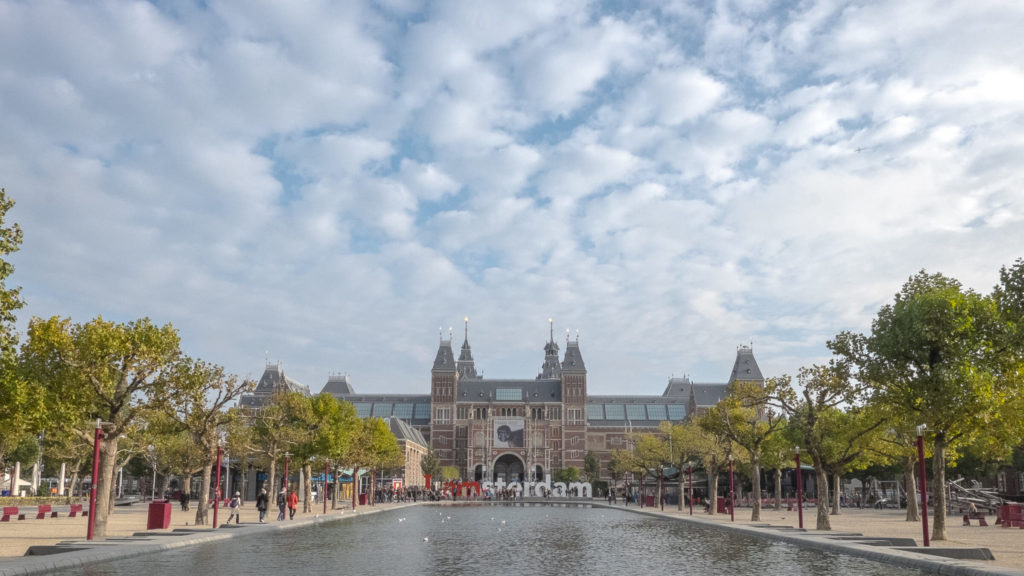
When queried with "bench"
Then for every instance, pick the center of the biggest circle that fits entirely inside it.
(43, 509)
(76, 509)
(9, 512)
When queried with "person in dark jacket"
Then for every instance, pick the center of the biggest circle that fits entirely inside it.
(282, 502)
(262, 501)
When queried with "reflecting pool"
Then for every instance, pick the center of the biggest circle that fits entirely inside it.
(484, 539)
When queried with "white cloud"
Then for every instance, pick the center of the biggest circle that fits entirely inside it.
(333, 181)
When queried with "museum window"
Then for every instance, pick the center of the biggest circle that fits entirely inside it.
(575, 416)
(480, 413)
(462, 413)
(555, 413)
(443, 415)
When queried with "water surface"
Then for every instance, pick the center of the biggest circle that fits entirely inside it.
(475, 540)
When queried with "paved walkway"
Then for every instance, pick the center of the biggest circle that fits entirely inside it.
(1006, 544)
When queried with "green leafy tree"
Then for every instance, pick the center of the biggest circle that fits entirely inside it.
(713, 450)
(833, 438)
(931, 355)
(101, 371)
(21, 406)
(591, 467)
(203, 392)
(450, 473)
(430, 465)
(337, 429)
(650, 456)
(620, 463)
(382, 450)
(568, 475)
(744, 418)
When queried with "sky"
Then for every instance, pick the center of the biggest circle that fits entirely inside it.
(334, 185)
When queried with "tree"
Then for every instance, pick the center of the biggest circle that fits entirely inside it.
(834, 438)
(712, 450)
(203, 392)
(931, 355)
(383, 451)
(619, 464)
(591, 467)
(568, 475)
(450, 473)
(744, 418)
(337, 429)
(103, 371)
(650, 456)
(430, 465)
(21, 407)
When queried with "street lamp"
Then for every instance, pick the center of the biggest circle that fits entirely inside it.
(287, 461)
(924, 484)
(216, 489)
(799, 490)
(327, 464)
(732, 494)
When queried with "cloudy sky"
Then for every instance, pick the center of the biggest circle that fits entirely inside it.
(325, 184)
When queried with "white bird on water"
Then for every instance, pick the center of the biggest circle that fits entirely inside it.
(425, 539)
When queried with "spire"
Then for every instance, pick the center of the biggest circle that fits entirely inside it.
(552, 368)
(466, 366)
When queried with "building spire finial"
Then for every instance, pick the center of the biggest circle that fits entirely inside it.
(551, 326)
(467, 328)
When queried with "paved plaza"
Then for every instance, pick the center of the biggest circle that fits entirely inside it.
(1006, 544)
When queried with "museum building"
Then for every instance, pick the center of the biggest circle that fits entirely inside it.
(524, 429)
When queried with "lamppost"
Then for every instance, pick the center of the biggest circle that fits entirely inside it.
(924, 483)
(690, 466)
(732, 494)
(216, 489)
(95, 477)
(327, 465)
(799, 490)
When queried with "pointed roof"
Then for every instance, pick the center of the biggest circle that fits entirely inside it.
(445, 359)
(404, 432)
(552, 368)
(338, 384)
(573, 358)
(466, 366)
(745, 369)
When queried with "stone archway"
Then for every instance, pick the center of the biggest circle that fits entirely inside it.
(509, 468)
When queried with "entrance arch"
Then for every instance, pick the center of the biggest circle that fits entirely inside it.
(509, 468)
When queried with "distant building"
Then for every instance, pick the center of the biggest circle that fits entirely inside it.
(272, 382)
(528, 428)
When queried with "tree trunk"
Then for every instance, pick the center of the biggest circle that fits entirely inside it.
(821, 478)
(307, 506)
(778, 488)
(712, 472)
(108, 458)
(371, 498)
(74, 483)
(337, 490)
(272, 489)
(835, 493)
(755, 478)
(204, 495)
(939, 490)
(355, 486)
(913, 512)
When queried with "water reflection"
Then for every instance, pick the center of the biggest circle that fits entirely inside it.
(466, 540)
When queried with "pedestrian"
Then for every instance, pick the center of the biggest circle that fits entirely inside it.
(261, 504)
(293, 503)
(282, 502)
(235, 505)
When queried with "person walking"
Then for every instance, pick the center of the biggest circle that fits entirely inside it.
(261, 504)
(235, 505)
(282, 502)
(293, 503)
